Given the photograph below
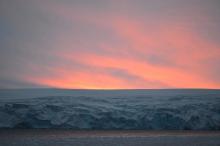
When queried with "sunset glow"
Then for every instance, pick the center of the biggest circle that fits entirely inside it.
(100, 44)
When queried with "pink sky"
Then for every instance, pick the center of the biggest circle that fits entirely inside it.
(103, 44)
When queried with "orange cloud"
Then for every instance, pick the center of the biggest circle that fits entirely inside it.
(172, 77)
(154, 55)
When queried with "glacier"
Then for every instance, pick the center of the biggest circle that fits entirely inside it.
(181, 109)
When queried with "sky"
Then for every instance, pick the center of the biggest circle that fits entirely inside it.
(110, 44)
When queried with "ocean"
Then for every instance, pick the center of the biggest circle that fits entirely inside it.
(152, 109)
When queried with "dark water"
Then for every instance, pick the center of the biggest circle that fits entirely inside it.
(114, 109)
(52, 137)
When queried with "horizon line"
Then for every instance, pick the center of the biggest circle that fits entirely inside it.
(108, 89)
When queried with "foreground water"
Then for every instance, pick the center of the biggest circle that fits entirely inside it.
(110, 109)
(49, 137)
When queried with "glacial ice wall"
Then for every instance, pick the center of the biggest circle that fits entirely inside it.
(151, 111)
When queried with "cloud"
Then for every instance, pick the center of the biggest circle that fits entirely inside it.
(111, 44)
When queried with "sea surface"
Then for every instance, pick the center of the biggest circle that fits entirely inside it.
(66, 137)
(173, 109)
